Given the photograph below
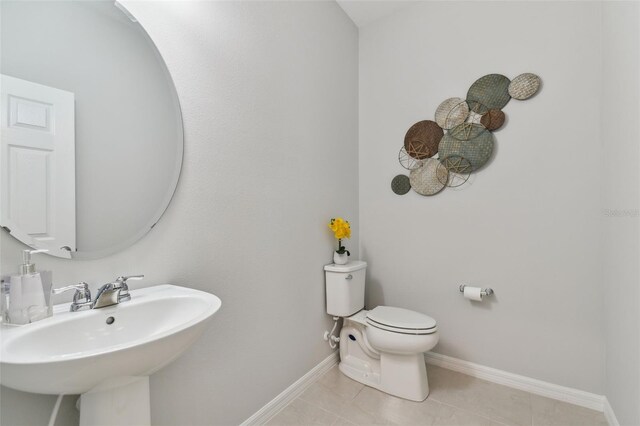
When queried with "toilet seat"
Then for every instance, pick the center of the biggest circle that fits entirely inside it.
(399, 320)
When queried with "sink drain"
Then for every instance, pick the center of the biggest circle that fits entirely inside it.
(110, 320)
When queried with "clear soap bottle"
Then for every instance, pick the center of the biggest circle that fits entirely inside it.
(29, 293)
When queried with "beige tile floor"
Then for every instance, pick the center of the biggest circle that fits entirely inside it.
(455, 400)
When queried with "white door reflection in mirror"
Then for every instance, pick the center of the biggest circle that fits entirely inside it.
(37, 157)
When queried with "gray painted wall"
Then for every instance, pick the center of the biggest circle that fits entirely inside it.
(128, 128)
(269, 97)
(621, 199)
(529, 224)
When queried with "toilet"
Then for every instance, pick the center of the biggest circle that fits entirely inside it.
(382, 348)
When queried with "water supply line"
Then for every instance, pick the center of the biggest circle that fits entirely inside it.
(54, 413)
(328, 335)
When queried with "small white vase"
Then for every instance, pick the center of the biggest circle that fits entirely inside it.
(340, 259)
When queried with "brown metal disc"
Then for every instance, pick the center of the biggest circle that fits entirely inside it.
(422, 139)
(493, 120)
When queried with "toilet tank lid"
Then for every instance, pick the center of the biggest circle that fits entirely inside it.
(351, 266)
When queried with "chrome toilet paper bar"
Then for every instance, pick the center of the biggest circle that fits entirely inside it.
(484, 292)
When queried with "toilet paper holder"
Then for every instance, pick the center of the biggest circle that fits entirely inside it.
(483, 292)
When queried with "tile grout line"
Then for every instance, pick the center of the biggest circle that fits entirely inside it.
(350, 401)
(308, 401)
(318, 407)
(500, 420)
(356, 395)
(466, 410)
(497, 419)
(432, 399)
(324, 409)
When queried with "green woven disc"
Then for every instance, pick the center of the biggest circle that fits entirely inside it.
(492, 91)
(477, 150)
(467, 131)
(400, 184)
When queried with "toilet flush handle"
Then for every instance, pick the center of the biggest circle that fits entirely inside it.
(348, 277)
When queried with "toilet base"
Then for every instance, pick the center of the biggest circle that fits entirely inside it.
(364, 377)
(404, 376)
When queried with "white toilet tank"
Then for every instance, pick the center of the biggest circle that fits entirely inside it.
(345, 288)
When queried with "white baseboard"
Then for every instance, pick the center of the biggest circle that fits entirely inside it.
(609, 414)
(273, 407)
(538, 387)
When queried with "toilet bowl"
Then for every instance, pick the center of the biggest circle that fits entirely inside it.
(383, 347)
(400, 331)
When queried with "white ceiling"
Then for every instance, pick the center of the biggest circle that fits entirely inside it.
(363, 12)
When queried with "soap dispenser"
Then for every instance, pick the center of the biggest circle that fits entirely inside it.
(29, 300)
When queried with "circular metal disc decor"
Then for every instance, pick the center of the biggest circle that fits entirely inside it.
(400, 184)
(418, 150)
(427, 180)
(493, 120)
(477, 150)
(467, 131)
(436, 159)
(422, 139)
(524, 86)
(459, 169)
(407, 161)
(452, 112)
(492, 91)
(474, 117)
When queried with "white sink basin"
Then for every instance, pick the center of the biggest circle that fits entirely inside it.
(73, 352)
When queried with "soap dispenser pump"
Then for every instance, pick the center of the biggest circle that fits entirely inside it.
(27, 266)
(27, 299)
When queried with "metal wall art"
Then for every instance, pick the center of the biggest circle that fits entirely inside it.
(436, 159)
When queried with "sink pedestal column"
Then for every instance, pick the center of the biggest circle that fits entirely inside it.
(122, 401)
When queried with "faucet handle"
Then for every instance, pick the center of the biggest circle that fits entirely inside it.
(124, 280)
(81, 287)
(124, 293)
(82, 296)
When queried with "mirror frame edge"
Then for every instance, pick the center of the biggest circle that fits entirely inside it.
(173, 187)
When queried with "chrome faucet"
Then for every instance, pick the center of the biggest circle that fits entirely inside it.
(109, 294)
(114, 292)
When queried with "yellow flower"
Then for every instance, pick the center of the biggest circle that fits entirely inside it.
(336, 224)
(340, 227)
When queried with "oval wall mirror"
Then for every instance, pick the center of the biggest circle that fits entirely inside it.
(92, 135)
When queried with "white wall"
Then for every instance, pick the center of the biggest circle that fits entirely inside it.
(529, 224)
(269, 97)
(621, 199)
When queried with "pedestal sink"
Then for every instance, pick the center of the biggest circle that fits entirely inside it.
(107, 354)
